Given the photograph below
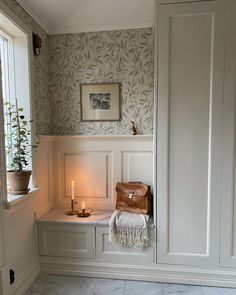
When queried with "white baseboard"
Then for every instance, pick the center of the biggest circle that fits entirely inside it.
(4, 279)
(26, 279)
(154, 273)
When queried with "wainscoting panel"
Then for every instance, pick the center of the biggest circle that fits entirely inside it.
(44, 174)
(83, 169)
(96, 164)
(137, 166)
(74, 240)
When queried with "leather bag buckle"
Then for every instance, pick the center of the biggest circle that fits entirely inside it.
(131, 195)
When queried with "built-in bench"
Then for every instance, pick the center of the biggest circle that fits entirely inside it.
(62, 237)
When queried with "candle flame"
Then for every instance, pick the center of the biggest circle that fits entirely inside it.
(83, 205)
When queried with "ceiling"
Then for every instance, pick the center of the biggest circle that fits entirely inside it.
(72, 16)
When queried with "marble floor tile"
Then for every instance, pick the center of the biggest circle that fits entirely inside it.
(58, 285)
(218, 291)
(175, 289)
(143, 288)
(106, 287)
(69, 285)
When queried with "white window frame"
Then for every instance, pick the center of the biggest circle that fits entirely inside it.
(9, 83)
(7, 16)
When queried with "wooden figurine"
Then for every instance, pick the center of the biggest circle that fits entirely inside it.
(134, 128)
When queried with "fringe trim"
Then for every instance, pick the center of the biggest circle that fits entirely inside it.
(129, 237)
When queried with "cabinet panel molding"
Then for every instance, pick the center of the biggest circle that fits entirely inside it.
(228, 199)
(114, 253)
(190, 99)
(66, 240)
(96, 164)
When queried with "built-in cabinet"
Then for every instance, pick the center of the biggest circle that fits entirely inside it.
(196, 134)
(228, 201)
(86, 240)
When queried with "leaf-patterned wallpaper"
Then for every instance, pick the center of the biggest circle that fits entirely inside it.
(124, 56)
(42, 102)
(68, 60)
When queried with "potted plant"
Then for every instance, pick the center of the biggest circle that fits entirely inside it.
(18, 149)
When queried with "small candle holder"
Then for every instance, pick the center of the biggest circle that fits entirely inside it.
(85, 213)
(72, 211)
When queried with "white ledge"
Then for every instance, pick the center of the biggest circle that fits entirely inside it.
(96, 137)
(60, 216)
(97, 217)
(13, 200)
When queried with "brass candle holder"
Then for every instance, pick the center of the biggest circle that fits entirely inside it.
(72, 211)
(85, 213)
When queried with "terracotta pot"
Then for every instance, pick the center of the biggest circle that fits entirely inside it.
(18, 182)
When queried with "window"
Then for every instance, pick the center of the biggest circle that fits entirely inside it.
(14, 52)
(8, 75)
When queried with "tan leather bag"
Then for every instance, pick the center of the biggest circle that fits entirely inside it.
(133, 197)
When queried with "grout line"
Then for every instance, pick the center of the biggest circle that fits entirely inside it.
(125, 287)
(202, 291)
(89, 283)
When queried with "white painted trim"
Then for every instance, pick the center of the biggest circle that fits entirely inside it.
(26, 279)
(99, 28)
(27, 30)
(21, 203)
(38, 19)
(155, 112)
(96, 138)
(16, 199)
(4, 280)
(152, 272)
(45, 138)
(163, 2)
(14, 18)
(112, 145)
(3, 190)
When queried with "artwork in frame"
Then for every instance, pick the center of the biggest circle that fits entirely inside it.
(100, 102)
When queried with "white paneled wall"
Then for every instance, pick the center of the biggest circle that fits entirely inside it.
(20, 227)
(44, 174)
(137, 166)
(96, 164)
(83, 168)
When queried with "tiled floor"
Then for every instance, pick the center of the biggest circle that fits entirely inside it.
(66, 285)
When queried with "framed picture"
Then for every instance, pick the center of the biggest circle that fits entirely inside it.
(100, 102)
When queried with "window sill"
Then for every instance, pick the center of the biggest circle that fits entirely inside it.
(13, 200)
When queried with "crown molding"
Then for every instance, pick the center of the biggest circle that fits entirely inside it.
(99, 27)
(44, 25)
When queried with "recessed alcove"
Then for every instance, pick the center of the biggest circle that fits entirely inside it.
(175, 63)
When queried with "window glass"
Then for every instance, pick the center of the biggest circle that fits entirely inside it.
(6, 71)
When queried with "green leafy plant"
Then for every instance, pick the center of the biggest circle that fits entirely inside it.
(18, 146)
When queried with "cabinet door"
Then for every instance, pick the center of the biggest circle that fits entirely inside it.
(66, 240)
(228, 201)
(112, 252)
(190, 98)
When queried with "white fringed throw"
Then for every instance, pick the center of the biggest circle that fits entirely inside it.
(128, 229)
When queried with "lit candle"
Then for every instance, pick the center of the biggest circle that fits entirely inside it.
(72, 190)
(83, 205)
